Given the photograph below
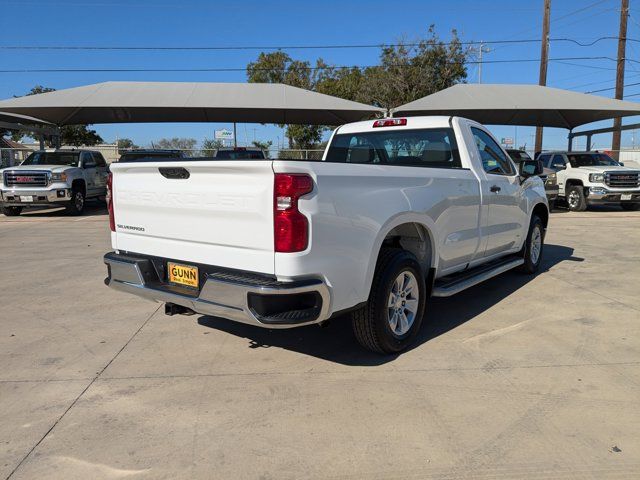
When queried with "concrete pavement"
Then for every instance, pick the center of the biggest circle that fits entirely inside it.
(518, 378)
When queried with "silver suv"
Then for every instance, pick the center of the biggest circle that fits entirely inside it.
(61, 177)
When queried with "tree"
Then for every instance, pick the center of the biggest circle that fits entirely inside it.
(279, 67)
(76, 135)
(407, 71)
(264, 146)
(126, 144)
(175, 143)
(210, 146)
(411, 70)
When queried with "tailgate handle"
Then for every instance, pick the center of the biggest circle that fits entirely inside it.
(174, 172)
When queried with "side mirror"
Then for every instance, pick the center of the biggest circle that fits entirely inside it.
(621, 164)
(530, 168)
(560, 167)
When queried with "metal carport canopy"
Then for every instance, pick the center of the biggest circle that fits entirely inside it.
(531, 105)
(144, 102)
(14, 121)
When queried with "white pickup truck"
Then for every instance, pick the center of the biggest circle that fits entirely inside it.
(397, 210)
(593, 178)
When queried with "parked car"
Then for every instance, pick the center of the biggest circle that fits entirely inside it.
(239, 153)
(397, 210)
(150, 155)
(593, 178)
(61, 177)
(548, 175)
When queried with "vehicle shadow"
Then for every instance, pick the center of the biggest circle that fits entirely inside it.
(335, 342)
(91, 209)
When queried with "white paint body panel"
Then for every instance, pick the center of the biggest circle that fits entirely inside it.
(222, 215)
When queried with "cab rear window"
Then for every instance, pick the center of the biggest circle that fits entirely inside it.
(431, 148)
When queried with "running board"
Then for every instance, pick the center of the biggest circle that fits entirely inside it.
(456, 283)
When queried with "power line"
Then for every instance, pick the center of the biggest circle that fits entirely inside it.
(293, 47)
(243, 69)
(613, 88)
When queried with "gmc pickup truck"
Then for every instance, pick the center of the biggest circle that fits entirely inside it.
(64, 177)
(397, 210)
(593, 178)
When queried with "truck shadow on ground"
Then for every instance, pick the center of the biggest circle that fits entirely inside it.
(92, 209)
(336, 343)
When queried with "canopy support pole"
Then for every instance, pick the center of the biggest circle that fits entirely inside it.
(570, 145)
(235, 136)
(588, 143)
(41, 140)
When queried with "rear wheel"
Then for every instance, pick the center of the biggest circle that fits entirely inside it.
(630, 207)
(391, 320)
(534, 244)
(575, 199)
(11, 211)
(76, 205)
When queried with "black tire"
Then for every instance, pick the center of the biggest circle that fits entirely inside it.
(11, 211)
(532, 261)
(371, 324)
(630, 207)
(576, 201)
(77, 203)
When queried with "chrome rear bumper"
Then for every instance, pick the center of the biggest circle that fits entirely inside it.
(223, 295)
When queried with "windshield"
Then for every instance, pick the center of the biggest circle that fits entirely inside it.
(239, 155)
(434, 148)
(591, 160)
(53, 158)
(518, 155)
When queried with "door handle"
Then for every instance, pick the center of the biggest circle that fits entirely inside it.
(495, 189)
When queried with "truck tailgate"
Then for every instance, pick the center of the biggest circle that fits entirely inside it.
(222, 214)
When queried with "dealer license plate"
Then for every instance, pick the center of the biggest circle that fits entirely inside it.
(26, 198)
(625, 196)
(183, 274)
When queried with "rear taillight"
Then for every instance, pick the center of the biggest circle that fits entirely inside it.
(112, 220)
(290, 227)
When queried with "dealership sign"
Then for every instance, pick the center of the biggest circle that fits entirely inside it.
(224, 134)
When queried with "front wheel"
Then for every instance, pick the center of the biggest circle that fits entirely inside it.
(76, 206)
(391, 320)
(11, 211)
(630, 207)
(575, 199)
(534, 244)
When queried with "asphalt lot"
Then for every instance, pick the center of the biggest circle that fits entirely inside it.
(522, 377)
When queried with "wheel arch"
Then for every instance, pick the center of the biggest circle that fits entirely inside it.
(410, 232)
(542, 211)
(79, 184)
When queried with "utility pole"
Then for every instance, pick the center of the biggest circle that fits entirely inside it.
(544, 60)
(481, 49)
(622, 44)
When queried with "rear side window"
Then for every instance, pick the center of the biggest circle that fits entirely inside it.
(99, 159)
(494, 160)
(430, 148)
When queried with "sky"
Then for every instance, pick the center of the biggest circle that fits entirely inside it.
(201, 23)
